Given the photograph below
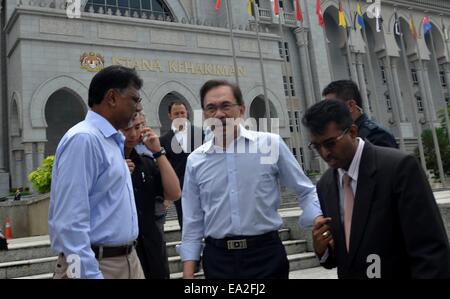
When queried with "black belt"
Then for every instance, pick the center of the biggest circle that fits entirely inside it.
(243, 242)
(112, 251)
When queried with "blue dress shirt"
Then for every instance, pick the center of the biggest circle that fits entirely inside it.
(234, 192)
(91, 200)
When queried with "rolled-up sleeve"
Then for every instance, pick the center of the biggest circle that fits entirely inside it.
(193, 217)
(73, 175)
(293, 177)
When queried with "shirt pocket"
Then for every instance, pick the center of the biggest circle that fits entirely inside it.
(265, 186)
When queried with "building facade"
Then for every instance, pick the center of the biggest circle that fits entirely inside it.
(48, 60)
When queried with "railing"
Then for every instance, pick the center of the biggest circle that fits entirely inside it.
(429, 3)
(265, 13)
(100, 9)
(289, 18)
(434, 3)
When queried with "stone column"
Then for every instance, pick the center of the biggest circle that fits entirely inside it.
(351, 56)
(427, 89)
(446, 67)
(362, 84)
(393, 93)
(18, 168)
(301, 34)
(398, 90)
(28, 152)
(40, 152)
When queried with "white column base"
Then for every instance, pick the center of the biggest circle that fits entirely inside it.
(407, 130)
(4, 184)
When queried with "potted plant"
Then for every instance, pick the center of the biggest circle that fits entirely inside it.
(42, 176)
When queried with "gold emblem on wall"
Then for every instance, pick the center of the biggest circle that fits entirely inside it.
(92, 62)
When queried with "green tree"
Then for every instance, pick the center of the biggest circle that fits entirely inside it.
(444, 147)
(42, 176)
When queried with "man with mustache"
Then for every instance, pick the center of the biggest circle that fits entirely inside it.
(230, 195)
(92, 215)
(382, 220)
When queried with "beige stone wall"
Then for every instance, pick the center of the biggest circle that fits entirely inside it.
(28, 217)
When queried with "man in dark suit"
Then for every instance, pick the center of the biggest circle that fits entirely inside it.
(382, 220)
(347, 91)
(179, 142)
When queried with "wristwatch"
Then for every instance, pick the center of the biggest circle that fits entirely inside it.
(160, 153)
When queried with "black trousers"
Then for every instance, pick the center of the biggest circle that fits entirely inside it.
(179, 213)
(267, 261)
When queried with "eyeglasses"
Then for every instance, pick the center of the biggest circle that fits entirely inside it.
(225, 107)
(135, 99)
(329, 143)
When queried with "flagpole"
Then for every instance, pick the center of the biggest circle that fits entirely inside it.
(413, 104)
(430, 118)
(436, 65)
(261, 64)
(230, 25)
(448, 54)
(361, 75)
(372, 79)
(371, 71)
(353, 76)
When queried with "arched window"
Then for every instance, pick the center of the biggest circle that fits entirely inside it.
(148, 9)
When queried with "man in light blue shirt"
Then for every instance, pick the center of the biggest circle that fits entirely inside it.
(231, 196)
(92, 214)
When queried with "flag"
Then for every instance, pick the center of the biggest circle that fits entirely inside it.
(276, 7)
(298, 11)
(342, 21)
(217, 5)
(250, 7)
(426, 25)
(412, 28)
(361, 24)
(397, 29)
(319, 14)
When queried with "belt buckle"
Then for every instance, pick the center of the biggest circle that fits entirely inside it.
(237, 244)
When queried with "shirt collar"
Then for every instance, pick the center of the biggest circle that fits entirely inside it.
(243, 133)
(353, 170)
(101, 123)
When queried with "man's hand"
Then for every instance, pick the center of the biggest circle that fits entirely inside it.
(166, 204)
(131, 165)
(321, 235)
(188, 269)
(151, 140)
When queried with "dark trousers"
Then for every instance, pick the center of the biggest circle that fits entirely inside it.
(265, 261)
(179, 213)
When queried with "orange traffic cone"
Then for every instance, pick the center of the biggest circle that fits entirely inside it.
(8, 231)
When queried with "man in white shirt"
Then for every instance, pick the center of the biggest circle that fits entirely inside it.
(231, 194)
(179, 142)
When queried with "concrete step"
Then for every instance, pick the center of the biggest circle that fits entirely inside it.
(43, 268)
(39, 276)
(27, 267)
(27, 249)
(297, 262)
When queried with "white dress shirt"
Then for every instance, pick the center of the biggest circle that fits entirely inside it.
(234, 191)
(352, 172)
(181, 136)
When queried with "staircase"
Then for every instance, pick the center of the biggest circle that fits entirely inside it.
(32, 258)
